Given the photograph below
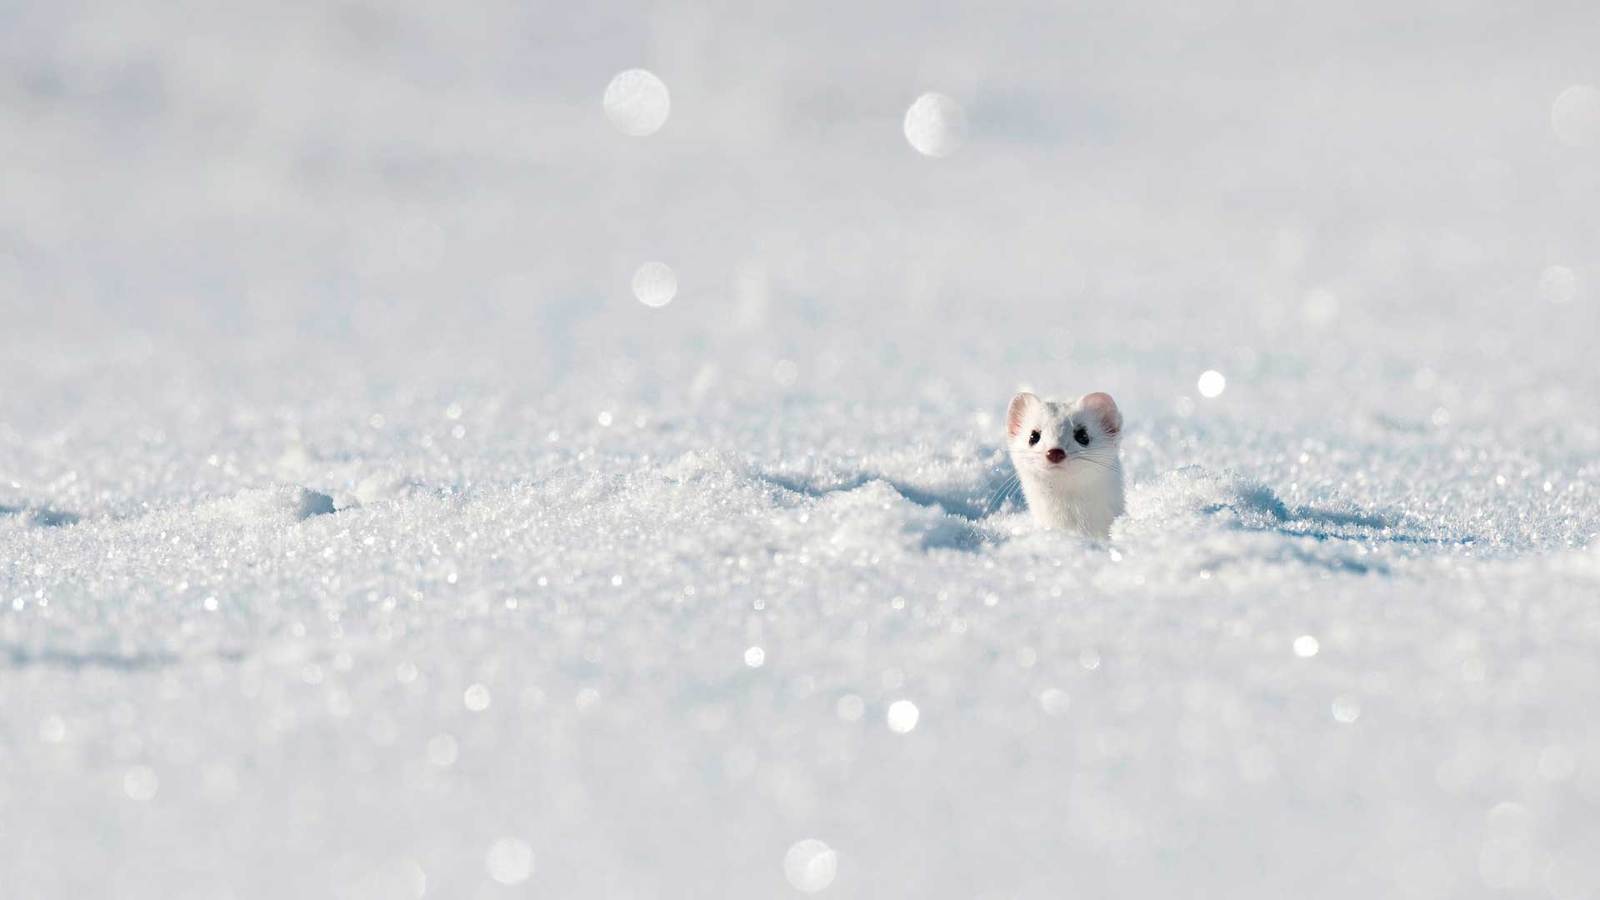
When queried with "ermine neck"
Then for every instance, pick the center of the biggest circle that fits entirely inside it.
(1086, 506)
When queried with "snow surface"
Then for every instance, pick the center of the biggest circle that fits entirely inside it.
(362, 535)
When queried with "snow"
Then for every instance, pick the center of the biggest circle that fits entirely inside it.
(365, 531)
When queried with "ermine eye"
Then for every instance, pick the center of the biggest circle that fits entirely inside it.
(1033, 439)
(1081, 435)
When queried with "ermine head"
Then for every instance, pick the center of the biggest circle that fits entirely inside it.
(1063, 441)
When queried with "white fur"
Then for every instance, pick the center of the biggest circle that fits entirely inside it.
(1083, 493)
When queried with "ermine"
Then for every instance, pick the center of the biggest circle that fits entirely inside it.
(1068, 458)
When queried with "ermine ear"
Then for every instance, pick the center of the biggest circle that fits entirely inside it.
(1020, 405)
(1105, 408)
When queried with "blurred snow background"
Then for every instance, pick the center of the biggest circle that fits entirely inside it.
(417, 482)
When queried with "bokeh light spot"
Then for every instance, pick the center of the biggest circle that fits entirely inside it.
(655, 284)
(1575, 116)
(810, 865)
(1053, 701)
(1321, 306)
(850, 708)
(936, 125)
(637, 102)
(140, 783)
(1558, 284)
(442, 750)
(902, 716)
(509, 861)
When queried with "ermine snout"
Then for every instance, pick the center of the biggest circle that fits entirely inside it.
(1056, 454)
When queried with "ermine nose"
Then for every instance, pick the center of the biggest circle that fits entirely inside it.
(1056, 454)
